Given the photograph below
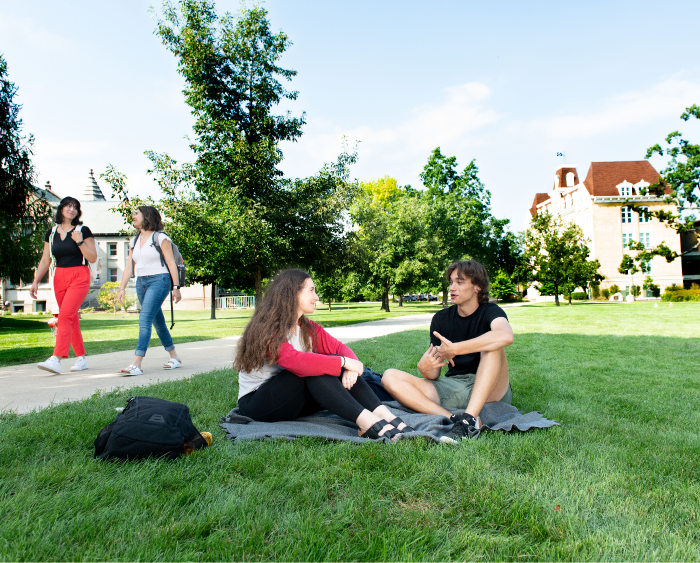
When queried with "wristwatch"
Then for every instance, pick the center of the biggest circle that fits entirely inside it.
(79, 243)
(176, 287)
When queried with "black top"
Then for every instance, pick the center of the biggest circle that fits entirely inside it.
(67, 252)
(456, 328)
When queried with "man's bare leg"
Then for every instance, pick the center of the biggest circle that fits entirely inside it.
(491, 381)
(413, 392)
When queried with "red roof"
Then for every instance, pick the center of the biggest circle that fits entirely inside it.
(561, 175)
(539, 198)
(603, 177)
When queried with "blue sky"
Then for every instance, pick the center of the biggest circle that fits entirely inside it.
(509, 84)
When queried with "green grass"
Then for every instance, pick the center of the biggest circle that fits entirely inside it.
(28, 339)
(623, 469)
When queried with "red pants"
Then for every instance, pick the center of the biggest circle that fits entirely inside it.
(71, 286)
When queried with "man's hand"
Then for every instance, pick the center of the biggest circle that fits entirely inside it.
(446, 349)
(349, 378)
(431, 362)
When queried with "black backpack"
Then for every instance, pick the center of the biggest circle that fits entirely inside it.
(148, 427)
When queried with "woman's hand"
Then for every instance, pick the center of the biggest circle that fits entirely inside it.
(351, 364)
(76, 235)
(34, 289)
(349, 378)
(176, 295)
(120, 297)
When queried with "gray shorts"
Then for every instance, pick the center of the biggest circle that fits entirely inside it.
(455, 391)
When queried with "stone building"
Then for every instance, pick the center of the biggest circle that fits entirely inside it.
(597, 206)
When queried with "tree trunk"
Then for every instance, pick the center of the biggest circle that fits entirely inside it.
(444, 294)
(569, 297)
(258, 287)
(329, 304)
(556, 294)
(385, 298)
(400, 300)
(213, 301)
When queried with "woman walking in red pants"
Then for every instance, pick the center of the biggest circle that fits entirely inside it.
(73, 246)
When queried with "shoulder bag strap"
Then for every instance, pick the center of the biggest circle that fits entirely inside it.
(156, 243)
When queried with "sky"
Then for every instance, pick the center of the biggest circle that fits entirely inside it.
(509, 84)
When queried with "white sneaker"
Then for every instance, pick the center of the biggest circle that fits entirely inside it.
(80, 364)
(52, 365)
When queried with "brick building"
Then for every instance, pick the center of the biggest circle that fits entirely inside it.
(597, 206)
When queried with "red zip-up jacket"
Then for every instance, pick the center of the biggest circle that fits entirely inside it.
(318, 362)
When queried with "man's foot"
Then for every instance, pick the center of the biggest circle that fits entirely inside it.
(52, 365)
(466, 427)
(80, 364)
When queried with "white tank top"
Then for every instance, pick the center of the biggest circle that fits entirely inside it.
(147, 259)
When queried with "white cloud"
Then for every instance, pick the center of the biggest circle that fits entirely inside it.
(400, 150)
(667, 99)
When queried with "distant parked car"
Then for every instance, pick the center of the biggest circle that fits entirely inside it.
(432, 298)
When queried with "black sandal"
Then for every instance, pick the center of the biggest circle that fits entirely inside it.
(373, 431)
(395, 423)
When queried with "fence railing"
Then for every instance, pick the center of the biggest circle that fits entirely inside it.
(236, 302)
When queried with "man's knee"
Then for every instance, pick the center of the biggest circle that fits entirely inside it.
(391, 377)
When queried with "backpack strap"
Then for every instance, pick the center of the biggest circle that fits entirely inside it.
(155, 242)
(132, 252)
(51, 236)
(79, 228)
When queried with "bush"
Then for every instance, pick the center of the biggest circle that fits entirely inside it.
(614, 288)
(595, 289)
(87, 310)
(512, 299)
(605, 293)
(680, 294)
(107, 297)
(580, 295)
(636, 290)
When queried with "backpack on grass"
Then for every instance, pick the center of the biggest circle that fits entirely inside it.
(147, 427)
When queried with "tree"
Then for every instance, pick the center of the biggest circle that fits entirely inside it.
(258, 221)
(502, 286)
(107, 297)
(678, 185)
(457, 214)
(557, 255)
(391, 247)
(24, 213)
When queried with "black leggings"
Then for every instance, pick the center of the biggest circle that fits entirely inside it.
(286, 396)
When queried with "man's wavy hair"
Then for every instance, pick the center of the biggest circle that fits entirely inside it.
(475, 272)
(68, 201)
(274, 319)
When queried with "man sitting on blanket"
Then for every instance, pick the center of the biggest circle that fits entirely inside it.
(471, 337)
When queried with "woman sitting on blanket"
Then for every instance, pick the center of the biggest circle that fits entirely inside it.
(290, 366)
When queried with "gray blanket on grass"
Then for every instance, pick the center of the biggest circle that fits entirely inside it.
(323, 424)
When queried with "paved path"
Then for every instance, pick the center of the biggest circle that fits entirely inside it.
(24, 388)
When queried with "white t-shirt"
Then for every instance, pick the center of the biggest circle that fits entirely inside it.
(147, 259)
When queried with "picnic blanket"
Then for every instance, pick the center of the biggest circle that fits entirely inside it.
(324, 424)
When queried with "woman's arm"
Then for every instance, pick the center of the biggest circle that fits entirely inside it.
(327, 344)
(311, 364)
(172, 267)
(42, 268)
(87, 249)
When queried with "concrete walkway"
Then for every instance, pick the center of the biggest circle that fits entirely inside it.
(24, 388)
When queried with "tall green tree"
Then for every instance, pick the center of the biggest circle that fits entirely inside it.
(233, 84)
(24, 213)
(556, 256)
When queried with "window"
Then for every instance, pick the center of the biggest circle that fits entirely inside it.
(112, 249)
(626, 215)
(625, 190)
(40, 306)
(646, 267)
(112, 274)
(626, 239)
(570, 179)
(644, 238)
(643, 219)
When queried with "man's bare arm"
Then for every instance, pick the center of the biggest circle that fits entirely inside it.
(500, 336)
(430, 365)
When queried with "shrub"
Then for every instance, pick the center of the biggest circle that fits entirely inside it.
(614, 288)
(595, 289)
(87, 310)
(107, 297)
(606, 293)
(636, 290)
(579, 295)
(680, 294)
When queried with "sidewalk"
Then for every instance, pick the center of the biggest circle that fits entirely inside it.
(24, 388)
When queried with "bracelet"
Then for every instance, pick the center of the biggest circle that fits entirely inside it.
(343, 362)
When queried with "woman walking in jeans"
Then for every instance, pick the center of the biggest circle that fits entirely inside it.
(290, 367)
(153, 284)
(73, 247)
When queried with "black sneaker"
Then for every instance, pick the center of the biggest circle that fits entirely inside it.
(466, 427)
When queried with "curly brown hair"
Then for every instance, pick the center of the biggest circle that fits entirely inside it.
(472, 270)
(274, 318)
(152, 221)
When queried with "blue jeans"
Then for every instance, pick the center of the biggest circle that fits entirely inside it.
(152, 291)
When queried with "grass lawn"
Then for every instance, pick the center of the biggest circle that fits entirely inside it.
(618, 481)
(27, 339)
